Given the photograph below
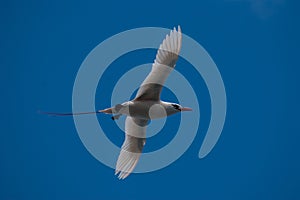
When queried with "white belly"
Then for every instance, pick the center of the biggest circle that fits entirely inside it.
(144, 109)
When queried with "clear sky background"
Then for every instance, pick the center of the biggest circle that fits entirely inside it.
(255, 44)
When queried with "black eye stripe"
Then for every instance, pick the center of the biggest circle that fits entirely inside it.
(175, 106)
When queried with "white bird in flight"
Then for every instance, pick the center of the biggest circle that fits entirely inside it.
(145, 106)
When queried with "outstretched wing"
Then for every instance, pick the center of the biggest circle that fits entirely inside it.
(164, 63)
(132, 147)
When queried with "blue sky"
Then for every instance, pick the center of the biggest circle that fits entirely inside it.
(255, 45)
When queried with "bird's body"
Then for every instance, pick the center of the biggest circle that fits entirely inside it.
(146, 110)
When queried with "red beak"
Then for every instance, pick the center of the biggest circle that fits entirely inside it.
(186, 109)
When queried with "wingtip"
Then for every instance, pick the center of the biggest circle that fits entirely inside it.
(121, 175)
(179, 29)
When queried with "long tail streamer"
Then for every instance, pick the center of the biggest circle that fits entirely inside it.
(67, 114)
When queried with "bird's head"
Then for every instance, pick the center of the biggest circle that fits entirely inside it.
(173, 108)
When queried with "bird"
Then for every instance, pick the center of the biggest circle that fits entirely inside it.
(147, 105)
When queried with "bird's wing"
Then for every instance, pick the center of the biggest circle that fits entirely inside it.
(132, 147)
(164, 63)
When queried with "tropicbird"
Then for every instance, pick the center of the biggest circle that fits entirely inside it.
(146, 106)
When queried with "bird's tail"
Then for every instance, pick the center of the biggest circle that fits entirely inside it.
(111, 110)
(68, 114)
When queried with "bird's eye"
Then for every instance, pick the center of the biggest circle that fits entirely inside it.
(176, 106)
